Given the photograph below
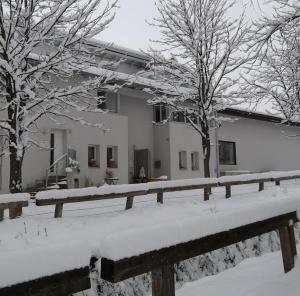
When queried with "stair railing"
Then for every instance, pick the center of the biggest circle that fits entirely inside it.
(54, 168)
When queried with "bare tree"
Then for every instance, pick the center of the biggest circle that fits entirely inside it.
(275, 79)
(42, 42)
(200, 50)
(286, 13)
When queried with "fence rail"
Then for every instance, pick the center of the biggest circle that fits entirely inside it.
(161, 262)
(159, 188)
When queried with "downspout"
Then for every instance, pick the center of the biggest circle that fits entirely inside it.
(217, 168)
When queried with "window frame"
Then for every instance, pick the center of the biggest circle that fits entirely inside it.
(184, 167)
(115, 152)
(197, 168)
(103, 104)
(96, 163)
(234, 153)
(160, 110)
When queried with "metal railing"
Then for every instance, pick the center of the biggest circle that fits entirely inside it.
(54, 168)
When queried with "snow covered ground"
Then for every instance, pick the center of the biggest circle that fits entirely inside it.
(41, 245)
(260, 276)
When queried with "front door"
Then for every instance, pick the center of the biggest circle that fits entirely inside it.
(57, 145)
(141, 162)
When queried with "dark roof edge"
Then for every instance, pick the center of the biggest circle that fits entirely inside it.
(256, 116)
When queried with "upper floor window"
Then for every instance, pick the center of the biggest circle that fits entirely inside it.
(101, 101)
(227, 153)
(178, 116)
(107, 101)
(160, 113)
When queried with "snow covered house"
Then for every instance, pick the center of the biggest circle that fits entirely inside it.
(134, 138)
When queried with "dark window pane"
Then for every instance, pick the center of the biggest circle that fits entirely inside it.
(92, 152)
(178, 117)
(101, 103)
(227, 153)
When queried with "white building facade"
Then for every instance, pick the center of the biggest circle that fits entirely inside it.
(135, 143)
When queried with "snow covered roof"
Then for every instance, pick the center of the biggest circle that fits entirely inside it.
(117, 49)
(263, 116)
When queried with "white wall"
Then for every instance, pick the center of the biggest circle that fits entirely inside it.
(162, 149)
(37, 160)
(184, 137)
(261, 146)
(133, 104)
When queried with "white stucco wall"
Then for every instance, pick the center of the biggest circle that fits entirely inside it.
(78, 137)
(133, 105)
(261, 146)
(162, 149)
(184, 137)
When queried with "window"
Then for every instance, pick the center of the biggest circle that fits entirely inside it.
(101, 101)
(112, 156)
(107, 101)
(182, 160)
(227, 153)
(160, 113)
(93, 156)
(195, 161)
(178, 116)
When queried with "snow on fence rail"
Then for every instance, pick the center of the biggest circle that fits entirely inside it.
(14, 203)
(60, 197)
(156, 247)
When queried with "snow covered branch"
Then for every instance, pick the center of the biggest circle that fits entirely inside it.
(43, 51)
(196, 60)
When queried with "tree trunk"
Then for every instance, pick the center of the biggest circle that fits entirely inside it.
(206, 154)
(15, 179)
(206, 160)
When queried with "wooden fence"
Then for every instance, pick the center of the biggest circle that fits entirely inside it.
(161, 262)
(159, 189)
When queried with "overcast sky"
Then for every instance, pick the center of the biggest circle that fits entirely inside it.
(130, 29)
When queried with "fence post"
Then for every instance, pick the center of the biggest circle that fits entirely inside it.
(58, 210)
(163, 282)
(160, 197)
(15, 210)
(292, 239)
(207, 192)
(1, 213)
(261, 186)
(286, 249)
(228, 191)
(129, 202)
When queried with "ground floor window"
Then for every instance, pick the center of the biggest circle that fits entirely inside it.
(227, 153)
(112, 156)
(195, 161)
(182, 160)
(94, 156)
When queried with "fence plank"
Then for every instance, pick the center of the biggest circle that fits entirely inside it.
(61, 284)
(58, 210)
(129, 202)
(286, 249)
(163, 282)
(15, 210)
(115, 271)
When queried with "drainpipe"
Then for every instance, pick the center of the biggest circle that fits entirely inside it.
(217, 151)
